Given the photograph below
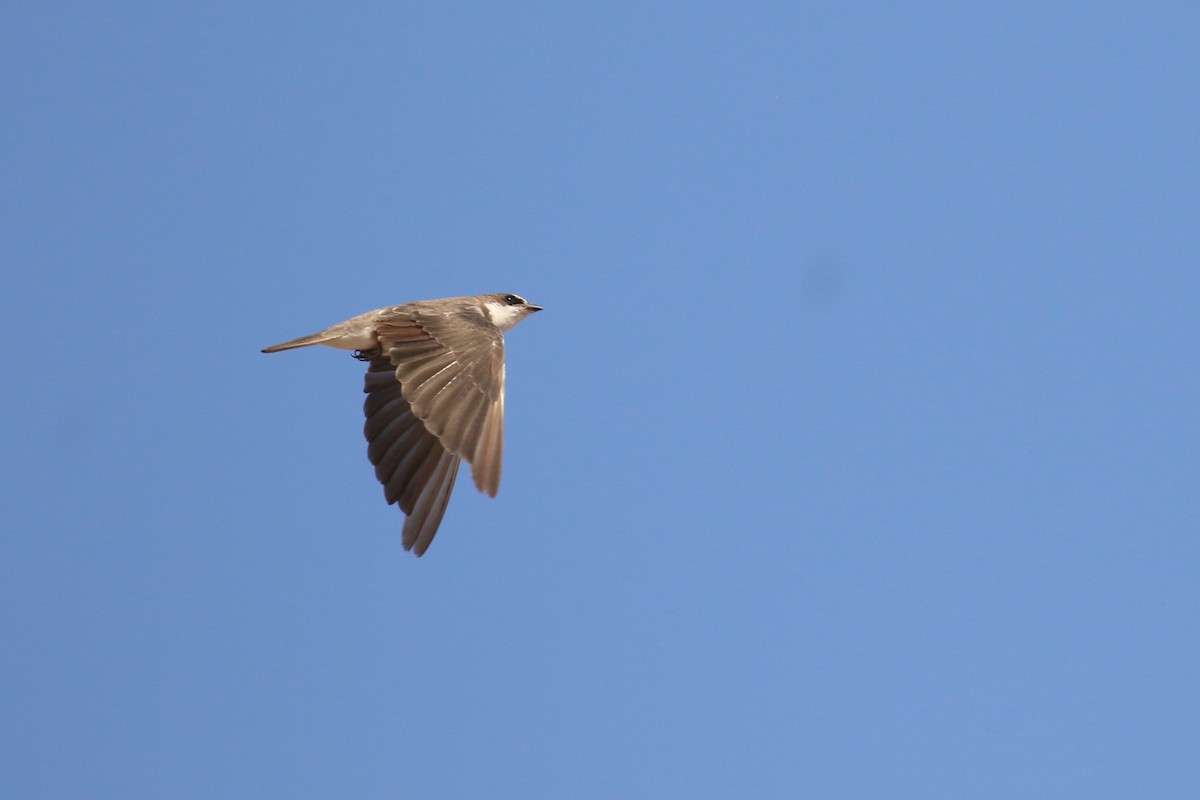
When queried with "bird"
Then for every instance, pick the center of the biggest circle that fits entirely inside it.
(435, 397)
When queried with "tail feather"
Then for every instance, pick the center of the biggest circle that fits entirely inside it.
(303, 341)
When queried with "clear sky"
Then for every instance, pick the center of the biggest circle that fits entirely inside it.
(855, 454)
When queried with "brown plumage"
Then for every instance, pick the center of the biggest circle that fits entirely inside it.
(435, 397)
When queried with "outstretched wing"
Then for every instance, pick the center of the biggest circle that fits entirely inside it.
(451, 371)
(435, 396)
(416, 471)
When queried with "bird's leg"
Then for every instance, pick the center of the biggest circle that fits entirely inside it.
(367, 355)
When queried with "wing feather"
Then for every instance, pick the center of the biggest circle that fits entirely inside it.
(422, 524)
(435, 396)
(417, 473)
(453, 380)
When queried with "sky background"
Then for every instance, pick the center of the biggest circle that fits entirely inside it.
(855, 454)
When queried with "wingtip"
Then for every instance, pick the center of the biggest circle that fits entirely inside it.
(488, 484)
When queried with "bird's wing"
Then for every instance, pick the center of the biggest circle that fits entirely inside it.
(451, 371)
(415, 470)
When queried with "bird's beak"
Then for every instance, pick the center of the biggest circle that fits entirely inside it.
(533, 307)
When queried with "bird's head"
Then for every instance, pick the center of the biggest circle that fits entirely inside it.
(506, 310)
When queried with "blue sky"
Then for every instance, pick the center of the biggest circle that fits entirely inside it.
(855, 454)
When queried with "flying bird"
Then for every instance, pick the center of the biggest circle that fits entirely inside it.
(435, 397)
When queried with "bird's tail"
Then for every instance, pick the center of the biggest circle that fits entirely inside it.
(303, 341)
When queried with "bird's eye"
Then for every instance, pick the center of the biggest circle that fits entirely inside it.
(513, 300)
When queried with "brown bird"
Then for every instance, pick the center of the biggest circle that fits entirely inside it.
(435, 396)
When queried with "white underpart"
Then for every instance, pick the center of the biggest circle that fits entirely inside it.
(505, 316)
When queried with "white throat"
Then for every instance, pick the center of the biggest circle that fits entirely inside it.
(504, 316)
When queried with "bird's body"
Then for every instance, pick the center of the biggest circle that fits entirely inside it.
(435, 397)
